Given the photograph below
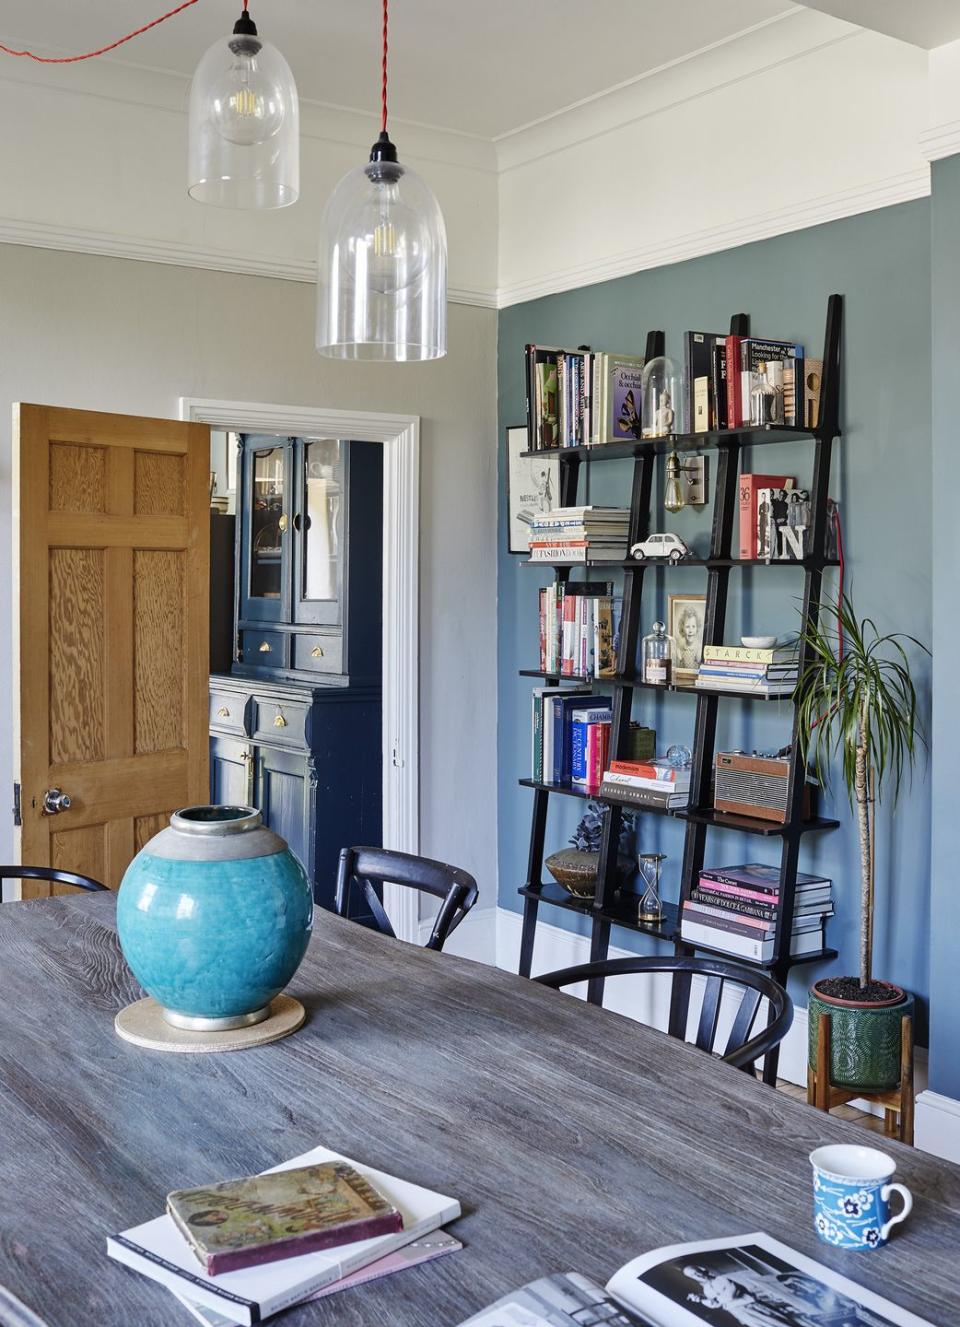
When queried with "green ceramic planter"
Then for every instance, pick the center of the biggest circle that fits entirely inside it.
(864, 1042)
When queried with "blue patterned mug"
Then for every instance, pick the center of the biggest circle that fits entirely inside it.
(851, 1196)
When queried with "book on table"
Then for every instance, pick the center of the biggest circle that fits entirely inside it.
(751, 1280)
(435, 1245)
(158, 1250)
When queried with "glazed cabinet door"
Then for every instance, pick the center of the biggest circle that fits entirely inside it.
(265, 503)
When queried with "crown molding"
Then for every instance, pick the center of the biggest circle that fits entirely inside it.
(766, 46)
(169, 93)
(105, 244)
(866, 197)
(941, 140)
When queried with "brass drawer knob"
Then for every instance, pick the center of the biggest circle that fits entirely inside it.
(316, 652)
(223, 712)
(264, 647)
(279, 721)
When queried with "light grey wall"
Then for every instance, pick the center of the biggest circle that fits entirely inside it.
(109, 334)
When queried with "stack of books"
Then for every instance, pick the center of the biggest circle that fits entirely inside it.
(580, 534)
(577, 629)
(735, 909)
(240, 1251)
(772, 672)
(653, 783)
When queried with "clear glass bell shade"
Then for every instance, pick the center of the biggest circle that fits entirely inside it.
(382, 273)
(244, 148)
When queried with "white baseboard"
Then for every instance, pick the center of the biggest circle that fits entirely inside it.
(937, 1125)
(475, 937)
(492, 935)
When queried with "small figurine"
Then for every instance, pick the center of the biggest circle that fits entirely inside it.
(660, 546)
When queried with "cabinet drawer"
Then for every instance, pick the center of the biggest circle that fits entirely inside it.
(280, 721)
(318, 653)
(264, 649)
(226, 711)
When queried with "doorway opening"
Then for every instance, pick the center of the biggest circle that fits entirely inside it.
(314, 512)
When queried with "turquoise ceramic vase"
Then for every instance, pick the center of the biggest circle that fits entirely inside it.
(214, 915)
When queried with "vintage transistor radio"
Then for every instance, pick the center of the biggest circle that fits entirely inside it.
(751, 785)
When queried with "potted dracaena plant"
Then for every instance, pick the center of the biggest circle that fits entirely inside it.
(857, 704)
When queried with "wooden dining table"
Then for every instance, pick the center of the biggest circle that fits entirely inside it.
(574, 1138)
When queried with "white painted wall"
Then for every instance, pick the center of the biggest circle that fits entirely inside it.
(109, 334)
(792, 124)
(95, 160)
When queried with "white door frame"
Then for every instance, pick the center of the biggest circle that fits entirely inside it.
(400, 436)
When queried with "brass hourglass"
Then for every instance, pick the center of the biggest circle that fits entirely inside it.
(651, 905)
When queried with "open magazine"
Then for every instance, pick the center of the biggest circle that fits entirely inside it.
(739, 1281)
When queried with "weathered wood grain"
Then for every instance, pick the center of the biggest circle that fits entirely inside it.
(158, 652)
(574, 1138)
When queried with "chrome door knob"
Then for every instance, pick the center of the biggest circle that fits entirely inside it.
(55, 801)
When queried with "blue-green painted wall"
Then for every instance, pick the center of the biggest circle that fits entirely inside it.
(945, 896)
(880, 261)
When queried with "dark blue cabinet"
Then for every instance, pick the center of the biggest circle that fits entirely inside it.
(295, 727)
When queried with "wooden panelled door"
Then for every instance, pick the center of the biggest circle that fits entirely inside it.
(111, 555)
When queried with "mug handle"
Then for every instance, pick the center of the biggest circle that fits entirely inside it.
(902, 1215)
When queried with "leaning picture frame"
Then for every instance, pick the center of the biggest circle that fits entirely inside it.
(533, 488)
(685, 627)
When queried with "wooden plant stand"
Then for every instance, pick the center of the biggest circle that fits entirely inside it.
(897, 1102)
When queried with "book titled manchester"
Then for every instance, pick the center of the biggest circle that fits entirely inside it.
(282, 1214)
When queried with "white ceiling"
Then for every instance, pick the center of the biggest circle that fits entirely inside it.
(482, 68)
(925, 23)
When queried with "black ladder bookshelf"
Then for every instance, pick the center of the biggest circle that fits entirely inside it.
(610, 907)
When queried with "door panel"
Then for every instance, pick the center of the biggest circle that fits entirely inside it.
(230, 772)
(283, 797)
(111, 656)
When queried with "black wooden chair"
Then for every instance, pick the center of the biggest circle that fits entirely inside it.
(741, 1050)
(50, 874)
(366, 869)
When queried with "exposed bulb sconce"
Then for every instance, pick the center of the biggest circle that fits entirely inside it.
(686, 482)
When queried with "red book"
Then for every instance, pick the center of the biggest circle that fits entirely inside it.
(734, 403)
(749, 487)
(543, 631)
(568, 636)
(598, 748)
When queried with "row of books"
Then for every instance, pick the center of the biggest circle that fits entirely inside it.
(651, 783)
(735, 909)
(580, 534)
(579, 398)
(772, 672)
(732, 381)
(578, 629)
(570, 737)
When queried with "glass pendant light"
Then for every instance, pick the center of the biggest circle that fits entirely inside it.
(382, 271)
(244, 148)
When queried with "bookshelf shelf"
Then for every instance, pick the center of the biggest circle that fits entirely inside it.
(631, 682)
(593, 795)
(711, 564)
(706, 815)
(687, 442)
(611, 907)
(622, 911)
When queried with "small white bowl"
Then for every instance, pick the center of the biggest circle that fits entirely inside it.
(758, 642)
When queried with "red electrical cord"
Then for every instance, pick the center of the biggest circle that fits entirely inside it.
(88, 55)
(383, 118)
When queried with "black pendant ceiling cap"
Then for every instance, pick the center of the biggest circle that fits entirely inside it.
(245, 26)
(383, 149)
(245, 37)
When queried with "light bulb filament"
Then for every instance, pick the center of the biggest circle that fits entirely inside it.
(385, 240)
(245, 102)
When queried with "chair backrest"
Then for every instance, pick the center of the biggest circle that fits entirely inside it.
(49, 873)
(367, 869)
(741, 1050)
